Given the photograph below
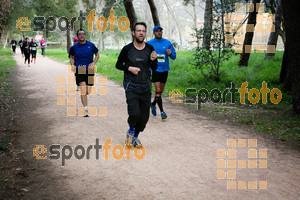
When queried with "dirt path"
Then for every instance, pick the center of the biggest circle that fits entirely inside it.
(181, 153)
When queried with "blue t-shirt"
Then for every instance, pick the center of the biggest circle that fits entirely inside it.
(84, 53)
(160, 47)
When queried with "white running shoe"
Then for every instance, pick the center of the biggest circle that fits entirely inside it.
(86, 113)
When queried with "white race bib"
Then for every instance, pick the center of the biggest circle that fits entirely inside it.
(160, 57)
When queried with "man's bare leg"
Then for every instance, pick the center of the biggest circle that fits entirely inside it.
(84, 91)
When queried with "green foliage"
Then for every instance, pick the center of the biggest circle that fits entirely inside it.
(58, 54)
(209, 61)
(20, 8)
(6, 64)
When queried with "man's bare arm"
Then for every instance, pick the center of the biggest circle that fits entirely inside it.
(72, 61)
(96, 58)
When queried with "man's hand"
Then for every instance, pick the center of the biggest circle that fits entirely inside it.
(169, 52)
(91, 68)
(73, 68)
(134, 70)
(153, 55)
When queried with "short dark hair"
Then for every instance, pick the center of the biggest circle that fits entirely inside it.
(80, 30)
(139, 23)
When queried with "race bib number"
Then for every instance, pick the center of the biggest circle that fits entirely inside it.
(14, 44)
(43, 44)
(33, 48)
(160, 57)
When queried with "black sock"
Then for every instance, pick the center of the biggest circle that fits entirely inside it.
(154, 102)
(159, 102)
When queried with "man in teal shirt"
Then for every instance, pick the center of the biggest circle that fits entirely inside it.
(164, 50)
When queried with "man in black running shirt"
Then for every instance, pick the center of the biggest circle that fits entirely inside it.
(135, 59)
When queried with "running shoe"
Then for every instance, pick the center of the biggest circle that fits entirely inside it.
(137, 143)
(28, 65)
(86, 113)
(129, 139)
(34, 62)
(163, 115)
(153, 109)
(31, 60)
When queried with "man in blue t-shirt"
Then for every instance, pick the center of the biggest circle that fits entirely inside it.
(85, 65)
(164, 50)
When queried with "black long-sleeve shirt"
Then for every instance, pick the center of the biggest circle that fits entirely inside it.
(130, 56)
(26, 46)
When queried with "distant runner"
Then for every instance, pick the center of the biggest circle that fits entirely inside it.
(26, 48)
(164, 50)
(13, 46)
(21, 46)
(33, 50)
(43, 46)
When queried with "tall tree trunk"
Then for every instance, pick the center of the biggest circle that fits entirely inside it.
(130, 13)
(291, 14)
(6, 38)
(68, 40)
(284, 72)
(99, 42)
(102, 41)
(282, 35)
(176, 22)
(5, 8)
(273, 38)
(154, 13)
(244, 57)
(208, 23)
(195, 23)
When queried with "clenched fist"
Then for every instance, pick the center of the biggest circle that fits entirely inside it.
(153, 55)
(169, 52)
(134, 70)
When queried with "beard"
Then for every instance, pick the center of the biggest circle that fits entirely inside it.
(158, 37)
(138, 40)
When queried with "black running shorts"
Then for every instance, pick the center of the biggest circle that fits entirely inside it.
(159, 76)
(33, 53)
(87, 78)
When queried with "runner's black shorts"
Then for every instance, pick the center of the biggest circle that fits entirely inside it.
(159, 76)
(33, 53)
(87, 78)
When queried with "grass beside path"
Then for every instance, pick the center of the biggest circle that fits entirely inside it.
(277, 120)
(6, 64)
